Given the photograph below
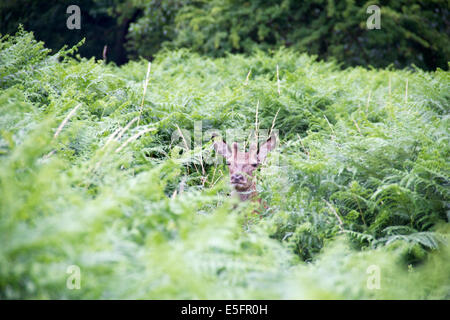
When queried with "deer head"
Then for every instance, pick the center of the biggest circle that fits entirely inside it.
(242, 164)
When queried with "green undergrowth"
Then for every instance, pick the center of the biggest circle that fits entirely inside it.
(359, 180)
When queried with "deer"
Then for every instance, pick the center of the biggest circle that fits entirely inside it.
(242, 165)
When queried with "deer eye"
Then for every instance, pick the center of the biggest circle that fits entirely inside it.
(228, 163)
(254, 165)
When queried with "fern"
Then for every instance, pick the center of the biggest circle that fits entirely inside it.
(147, 217)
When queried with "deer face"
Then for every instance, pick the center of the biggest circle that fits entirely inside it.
(242, 164)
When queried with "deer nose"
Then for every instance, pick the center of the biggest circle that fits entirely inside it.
(237, 177)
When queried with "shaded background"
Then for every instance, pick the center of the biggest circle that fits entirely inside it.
(412, 32)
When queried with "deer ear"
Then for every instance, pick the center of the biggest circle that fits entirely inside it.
(266, 147)
(221, 147)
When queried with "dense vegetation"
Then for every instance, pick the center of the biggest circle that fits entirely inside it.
(360, 178)
(412, 32)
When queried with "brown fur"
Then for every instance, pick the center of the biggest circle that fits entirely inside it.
(243, 164)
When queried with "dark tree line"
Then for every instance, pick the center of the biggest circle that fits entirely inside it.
(412, 32)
